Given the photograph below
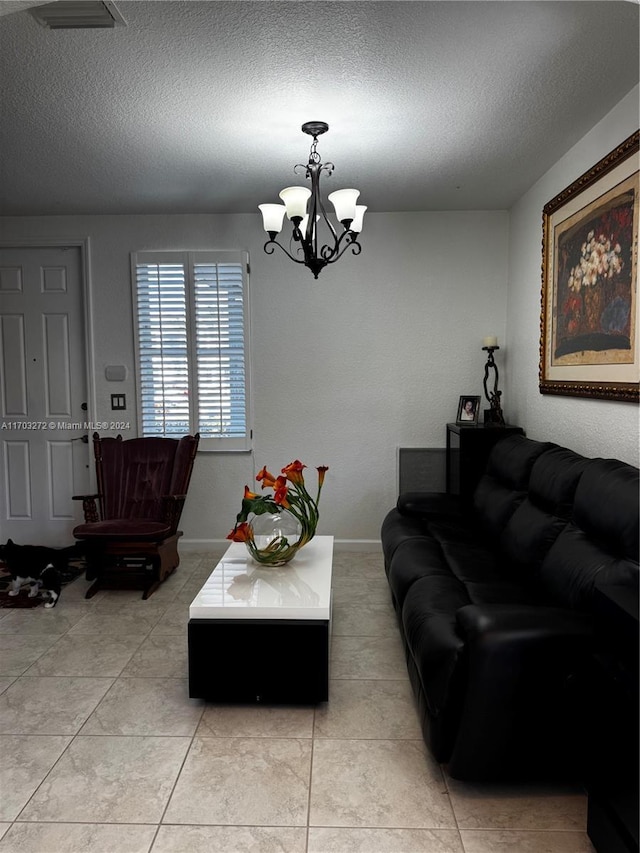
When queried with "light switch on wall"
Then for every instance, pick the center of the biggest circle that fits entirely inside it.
(118, 401)
(115, 372)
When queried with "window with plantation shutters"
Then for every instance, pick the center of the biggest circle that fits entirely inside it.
(192, 346)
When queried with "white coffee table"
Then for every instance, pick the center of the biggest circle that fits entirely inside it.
(262, 634)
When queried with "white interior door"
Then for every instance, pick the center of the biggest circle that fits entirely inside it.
(43, 393)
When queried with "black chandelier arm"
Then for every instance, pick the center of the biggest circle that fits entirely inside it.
(313, 173)
(351, 243)
(355, 247)
(269, 249)
(327, 221)
(321, 167)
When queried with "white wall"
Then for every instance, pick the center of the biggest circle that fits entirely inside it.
(372, 356)
(591, 427)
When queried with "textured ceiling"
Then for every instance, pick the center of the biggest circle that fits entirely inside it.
(197, 106)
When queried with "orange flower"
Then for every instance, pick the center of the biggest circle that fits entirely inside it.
(249, 495)
(322, 470)
(293, 472)
(267, 479)
(280, 492)
(241, 533)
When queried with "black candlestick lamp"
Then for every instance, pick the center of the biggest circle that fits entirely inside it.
(493, 416)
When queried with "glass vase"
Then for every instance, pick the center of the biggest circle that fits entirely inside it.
(275, 538)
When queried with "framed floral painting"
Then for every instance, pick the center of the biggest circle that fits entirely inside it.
(589, 342)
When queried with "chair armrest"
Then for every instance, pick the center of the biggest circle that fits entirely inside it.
(521, 661)
(89, 507)
(425, 504)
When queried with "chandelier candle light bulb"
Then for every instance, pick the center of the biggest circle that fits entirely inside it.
(295, 200)
(356, 225)
(272, 216)
(344, 203)
(490, 341)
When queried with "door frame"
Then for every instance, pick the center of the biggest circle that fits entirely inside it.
(84, 245)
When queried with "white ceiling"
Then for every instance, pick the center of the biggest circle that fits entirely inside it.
(197, 106)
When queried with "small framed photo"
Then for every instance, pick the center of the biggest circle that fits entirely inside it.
(468, 410)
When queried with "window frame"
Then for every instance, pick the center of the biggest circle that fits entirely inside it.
(189, 260)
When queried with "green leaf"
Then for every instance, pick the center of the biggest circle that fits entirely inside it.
(257, 506)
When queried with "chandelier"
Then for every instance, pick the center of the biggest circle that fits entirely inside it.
(316, 253)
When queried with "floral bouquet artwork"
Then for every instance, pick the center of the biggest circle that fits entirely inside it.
(595, 286)
(275, 527)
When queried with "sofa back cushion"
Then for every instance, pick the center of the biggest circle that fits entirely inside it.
(503, 486)
(601, 541)
(544, 512)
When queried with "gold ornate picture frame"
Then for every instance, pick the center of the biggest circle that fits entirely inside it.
(590, 321)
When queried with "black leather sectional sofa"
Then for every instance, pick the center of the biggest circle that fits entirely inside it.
(495, 603)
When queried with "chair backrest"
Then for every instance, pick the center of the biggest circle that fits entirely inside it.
(134, 476)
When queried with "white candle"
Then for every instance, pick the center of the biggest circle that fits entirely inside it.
(490, 342)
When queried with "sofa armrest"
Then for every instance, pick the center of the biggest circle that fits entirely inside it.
(426, 504)
(521, 662)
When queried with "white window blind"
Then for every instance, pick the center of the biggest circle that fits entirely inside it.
(192, 346)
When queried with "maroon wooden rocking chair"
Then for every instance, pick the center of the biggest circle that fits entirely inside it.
(130, 535)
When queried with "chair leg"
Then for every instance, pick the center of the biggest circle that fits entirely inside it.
(95, 586)
(168, 558)
(95, 558)
(150, 590)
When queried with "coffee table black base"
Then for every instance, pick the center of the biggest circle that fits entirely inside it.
(270, 661)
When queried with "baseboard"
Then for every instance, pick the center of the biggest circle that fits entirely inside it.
(187, 545)
(357, 545)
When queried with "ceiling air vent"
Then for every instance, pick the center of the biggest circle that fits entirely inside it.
(78, 15)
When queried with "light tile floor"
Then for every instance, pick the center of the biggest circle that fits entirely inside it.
(103, 751)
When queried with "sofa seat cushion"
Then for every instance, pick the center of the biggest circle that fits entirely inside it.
(483, 574)
(396, 529)
(410, 517)
(429, 626)
(414, 559)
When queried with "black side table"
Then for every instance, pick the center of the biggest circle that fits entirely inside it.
(468, 448)
(611, 740)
